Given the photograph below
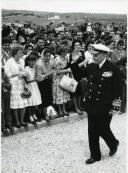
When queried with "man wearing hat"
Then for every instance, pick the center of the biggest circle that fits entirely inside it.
(101, 100)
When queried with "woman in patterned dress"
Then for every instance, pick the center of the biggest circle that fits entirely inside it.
(14, 69)
(60, 96)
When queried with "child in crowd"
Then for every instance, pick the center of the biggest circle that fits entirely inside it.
(35, 98)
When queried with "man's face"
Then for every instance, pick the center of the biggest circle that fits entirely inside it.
(28, 39)
(58, 37)
(6, 47)
(62, 34)
(53, 44)
(45, 37)
(68, 34)
(40, 43)
(112, 33)
(51, 36)
(79, 35)
(99, 57)
(120, 46)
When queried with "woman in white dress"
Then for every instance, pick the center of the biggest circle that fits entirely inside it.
(14, 69)
(35, 98)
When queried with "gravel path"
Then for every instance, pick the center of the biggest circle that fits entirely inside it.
(62, 148)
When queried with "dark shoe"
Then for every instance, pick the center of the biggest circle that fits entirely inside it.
(66, 114)
(92, 160)
(79, 112)
(5, 132)
(61, 115)
(58, 116)
(32, 122)
(24, 125)
(82, 109)
(39, 119)
(112, 152)
(17, 126)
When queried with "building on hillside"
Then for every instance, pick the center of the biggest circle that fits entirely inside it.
(56, 17)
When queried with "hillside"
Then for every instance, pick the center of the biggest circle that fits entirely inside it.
(41, 18)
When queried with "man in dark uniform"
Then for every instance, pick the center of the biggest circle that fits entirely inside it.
(102, 97)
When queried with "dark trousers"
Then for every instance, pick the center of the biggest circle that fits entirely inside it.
(99, 127)
(6, 118)
(123, 98)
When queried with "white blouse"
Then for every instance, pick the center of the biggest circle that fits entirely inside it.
(12, 68)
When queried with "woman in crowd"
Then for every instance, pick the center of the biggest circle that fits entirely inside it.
(77, 56)
(44, 74)
(87, 54)
(60, 96)
(27, 50)
(121, 61)
(53, 47)
(119, 52)
(111, 45)
(35, 98)
(14, 69)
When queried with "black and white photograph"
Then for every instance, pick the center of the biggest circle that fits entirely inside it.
(64, 86)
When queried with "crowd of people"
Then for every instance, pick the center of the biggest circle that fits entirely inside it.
(36, 59)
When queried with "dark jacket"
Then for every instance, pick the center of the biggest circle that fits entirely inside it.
(104, 86)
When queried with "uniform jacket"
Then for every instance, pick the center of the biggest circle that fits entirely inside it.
(104, 86)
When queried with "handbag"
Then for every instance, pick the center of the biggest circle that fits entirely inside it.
(68, 83)
(26, 93)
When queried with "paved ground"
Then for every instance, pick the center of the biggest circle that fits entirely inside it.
(61, 148)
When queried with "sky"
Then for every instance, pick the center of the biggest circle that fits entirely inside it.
(91, 6)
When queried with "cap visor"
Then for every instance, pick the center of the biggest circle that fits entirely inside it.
(94, 52)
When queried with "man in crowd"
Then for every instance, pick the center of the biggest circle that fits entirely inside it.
(6, 116)
(39, 45)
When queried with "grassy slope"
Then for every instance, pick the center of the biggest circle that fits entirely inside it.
(41, 18)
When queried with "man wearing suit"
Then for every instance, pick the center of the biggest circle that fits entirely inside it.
(102, 97)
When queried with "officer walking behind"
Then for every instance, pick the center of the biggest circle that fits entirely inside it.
(101, 100)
